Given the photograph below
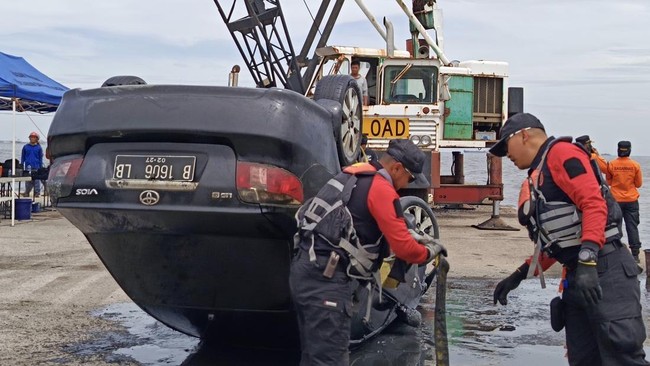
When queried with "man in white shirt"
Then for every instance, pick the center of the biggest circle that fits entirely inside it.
(361, 81)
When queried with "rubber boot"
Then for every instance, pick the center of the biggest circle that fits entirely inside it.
(635, 254)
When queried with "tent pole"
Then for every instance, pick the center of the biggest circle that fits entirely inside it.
(13, 165)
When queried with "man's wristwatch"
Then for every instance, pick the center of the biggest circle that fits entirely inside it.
(587, 255)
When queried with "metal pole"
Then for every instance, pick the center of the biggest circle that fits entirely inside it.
(233, 77)
(372, 19)
(440, 336)
(13, 164)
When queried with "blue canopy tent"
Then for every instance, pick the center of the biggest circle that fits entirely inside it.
(24, 88)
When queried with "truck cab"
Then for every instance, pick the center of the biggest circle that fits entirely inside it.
(416, 98)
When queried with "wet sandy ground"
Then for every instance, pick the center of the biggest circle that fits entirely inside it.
(59, 306)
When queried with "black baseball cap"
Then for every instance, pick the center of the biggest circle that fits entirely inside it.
(624, 148)
(515, 123)
(409, 155)
(584, 139)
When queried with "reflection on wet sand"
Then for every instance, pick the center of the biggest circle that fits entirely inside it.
(479, 333)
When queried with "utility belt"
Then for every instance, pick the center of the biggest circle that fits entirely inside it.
(607, 249)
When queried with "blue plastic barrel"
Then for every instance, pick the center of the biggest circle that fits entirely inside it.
(23, 208)
(36, 207)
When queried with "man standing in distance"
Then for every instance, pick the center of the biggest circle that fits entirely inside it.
(625, 177)
(573, 222)
(355, 66)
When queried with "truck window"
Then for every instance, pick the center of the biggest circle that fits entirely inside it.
(417, 85)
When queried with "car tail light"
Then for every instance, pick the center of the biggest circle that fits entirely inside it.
(262, 183)
(63, 173)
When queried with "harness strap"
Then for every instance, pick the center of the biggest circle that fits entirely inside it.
(568, 210)
(357, 257)
(535, 264)
(315, 204)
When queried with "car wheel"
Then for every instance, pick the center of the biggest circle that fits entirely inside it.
(425, 220)
(123, 80)
(344, 89)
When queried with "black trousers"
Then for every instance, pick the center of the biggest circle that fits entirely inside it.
(324, 310)
(612, 332)
(631, 218)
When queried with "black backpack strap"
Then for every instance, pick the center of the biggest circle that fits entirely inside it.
(346, 192)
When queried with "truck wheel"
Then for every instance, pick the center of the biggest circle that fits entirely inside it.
(123, 80)
(344, 89)
(425, 220)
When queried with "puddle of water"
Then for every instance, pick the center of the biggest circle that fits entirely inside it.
(479, 333)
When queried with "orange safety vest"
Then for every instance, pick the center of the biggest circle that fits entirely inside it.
(624, 177)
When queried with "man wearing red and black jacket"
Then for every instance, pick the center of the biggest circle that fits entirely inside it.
(601, 296)
(323, 301)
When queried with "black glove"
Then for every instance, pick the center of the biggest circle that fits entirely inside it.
(433, 246)
(586, 284)
(509, 283)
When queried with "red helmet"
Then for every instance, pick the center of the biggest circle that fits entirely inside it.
(34, 134)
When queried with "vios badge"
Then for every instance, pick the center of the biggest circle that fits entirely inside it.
(149, 197)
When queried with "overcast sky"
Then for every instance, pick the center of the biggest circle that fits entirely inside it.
(584, 65)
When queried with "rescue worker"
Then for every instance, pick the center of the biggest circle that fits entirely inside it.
(367, 154)
(601, 295)
(586, 141)
(322, 293)
(625, 177)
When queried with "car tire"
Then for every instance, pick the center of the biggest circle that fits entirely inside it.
(123, 80)
(344, 89)
(425, 220)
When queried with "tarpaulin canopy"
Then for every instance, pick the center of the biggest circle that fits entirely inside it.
(33, 90)
(24, 88)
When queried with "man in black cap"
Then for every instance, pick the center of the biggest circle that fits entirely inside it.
(320, 272)
(586, 142)
(573, 223)
(595, 156)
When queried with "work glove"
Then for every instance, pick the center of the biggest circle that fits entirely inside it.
(586, 284)
(433, 246)
(509, 283)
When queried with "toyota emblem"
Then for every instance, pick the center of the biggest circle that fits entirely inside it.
(149, 197)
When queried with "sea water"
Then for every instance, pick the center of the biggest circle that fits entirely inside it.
(475, 173)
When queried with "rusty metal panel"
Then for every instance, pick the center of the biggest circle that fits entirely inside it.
(435, 169)
(468, 194)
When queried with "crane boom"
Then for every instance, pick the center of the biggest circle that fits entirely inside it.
(260, 32)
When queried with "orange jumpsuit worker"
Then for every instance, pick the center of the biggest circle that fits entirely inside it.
(624, 177)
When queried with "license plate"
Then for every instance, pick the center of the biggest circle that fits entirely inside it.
(386, 127)
(154, 167)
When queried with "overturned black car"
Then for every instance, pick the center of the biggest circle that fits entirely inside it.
(188, 194)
